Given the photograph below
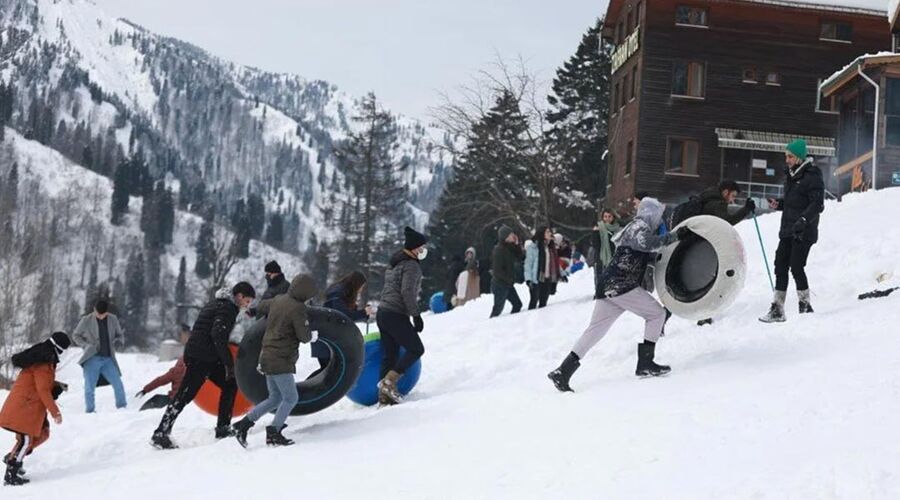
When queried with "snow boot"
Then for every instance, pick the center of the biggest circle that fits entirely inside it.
(13, 476)
(9, 457)
(274, 437)
(776, 312)
(161, 441)
(704, 322)
(805, 306)
(561, 375)
(645, 365)
(388, 394)
(240, 430)
(224, 431)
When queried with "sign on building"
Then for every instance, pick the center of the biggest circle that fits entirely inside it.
(628, 48)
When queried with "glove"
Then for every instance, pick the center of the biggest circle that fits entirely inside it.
(683, 233)
(139, 395)
(419, 324)
(799, 228)
(750, 205)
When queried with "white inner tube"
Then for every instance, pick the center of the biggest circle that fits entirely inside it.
(699, 277)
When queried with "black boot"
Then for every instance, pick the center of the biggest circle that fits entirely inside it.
(274, 437)
(12, 477)
(224, 431)
(9, 457)
(561, 375)
(704, 322)
(645, 365)
(161, 441)
(240, 430)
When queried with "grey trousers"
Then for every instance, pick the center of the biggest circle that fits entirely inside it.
(607, 311)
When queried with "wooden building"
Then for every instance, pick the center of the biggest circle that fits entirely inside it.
(711, 89)
(866, 94)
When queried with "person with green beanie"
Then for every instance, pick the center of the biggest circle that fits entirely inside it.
(803, 201)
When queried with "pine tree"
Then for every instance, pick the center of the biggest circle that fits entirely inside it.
(135, 298)
(181, 293)
(240, 222)
(275, 231)
(120, 195)
(206, 252)
(166, 216)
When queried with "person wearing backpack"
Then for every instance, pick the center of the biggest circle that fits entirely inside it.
(803, 201)
(29, 401)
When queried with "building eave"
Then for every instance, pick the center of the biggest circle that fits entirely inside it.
(848, 73)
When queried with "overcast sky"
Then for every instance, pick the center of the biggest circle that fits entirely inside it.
(406, 51)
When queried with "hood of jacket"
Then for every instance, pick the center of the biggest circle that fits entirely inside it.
(224, 293)
(808, 164)
(399, 257)
(650, 211)
(303, 288)
(711, 194)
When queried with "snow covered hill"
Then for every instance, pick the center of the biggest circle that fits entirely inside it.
(802, 410)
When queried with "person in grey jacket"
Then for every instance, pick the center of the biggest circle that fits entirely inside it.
(399, 303)
(100, 334)
(621, 288)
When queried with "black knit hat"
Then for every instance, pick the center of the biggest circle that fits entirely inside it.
(414, 239)
(61, 340)
(273, 267)
(245, 289)
(101, 306)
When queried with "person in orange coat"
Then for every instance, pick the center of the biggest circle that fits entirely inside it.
(173, 376)
(31, 398)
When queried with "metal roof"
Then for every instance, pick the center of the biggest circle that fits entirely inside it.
(731, 138)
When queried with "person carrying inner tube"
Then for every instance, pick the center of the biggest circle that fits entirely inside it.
(342, 296)
(399, 303)
(621, 283)
(32, 396)
(287, 327)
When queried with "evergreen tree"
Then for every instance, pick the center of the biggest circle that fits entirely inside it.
(206, 252)
(181, 293)
(240, 222)
(166, 216)
(275, 232)
(120, 195)
(135, 298)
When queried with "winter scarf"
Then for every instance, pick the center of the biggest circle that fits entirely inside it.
(605, 252)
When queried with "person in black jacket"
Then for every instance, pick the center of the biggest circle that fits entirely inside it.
(206, 356)
(342, 296)
(804, 200)
(276, 284)
(506, 260)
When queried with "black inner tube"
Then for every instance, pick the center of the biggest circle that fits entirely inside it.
(337, 333)
(692, 269)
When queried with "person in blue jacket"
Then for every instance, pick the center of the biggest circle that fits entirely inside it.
(343, 296)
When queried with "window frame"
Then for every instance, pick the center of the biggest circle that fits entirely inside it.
(614, 99)
(888, 116)
(689, 25)
(835, 109)
(629, 158)
(755, 71)
(835, 39)
(632, 92)
(668, 166)
(777, 75)
(690, 64)
(624, 98)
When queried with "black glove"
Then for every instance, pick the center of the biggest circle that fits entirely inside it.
(799, 228)
(139, 395)
(417, 321)
(683, 233)
(750, 205)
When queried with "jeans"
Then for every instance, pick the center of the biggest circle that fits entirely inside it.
(396, 332)
(197, 372)
(502, 293)
(93, 368)
(282, 395)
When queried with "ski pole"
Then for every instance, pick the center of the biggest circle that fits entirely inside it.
(763, 248)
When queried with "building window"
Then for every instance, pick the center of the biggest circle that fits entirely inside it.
(621, 31)
(773, 78)
(688, 79)
(630, 26)
(892, 112)
(610, 167)
(632, 92)
(690, 16)
(834, 31)
(682, 156)
(629, 157)
(615, 95)
(825, 104)
(749, 75)
(625, 87)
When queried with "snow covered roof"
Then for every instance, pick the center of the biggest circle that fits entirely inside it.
(871, 7)
(771, 141)
(840, 77)
(893, 5)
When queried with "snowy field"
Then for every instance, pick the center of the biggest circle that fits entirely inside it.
(803, 410)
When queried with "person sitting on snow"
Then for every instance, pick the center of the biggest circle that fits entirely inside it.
(206, 356)
(621, 284)
(287, 327)
(32, 396)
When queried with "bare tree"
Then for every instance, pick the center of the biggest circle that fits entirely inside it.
(225, 257)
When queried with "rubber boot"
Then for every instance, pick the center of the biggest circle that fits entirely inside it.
(805, 305)
(388, 394)
(776, 311)
(274, 437)
(561, 375)
(646, 367)
(240, 430)
(224, 431)
(161, 441)
(9, 457)
(12, 477)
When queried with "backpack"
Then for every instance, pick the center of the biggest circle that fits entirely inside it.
(684, 211)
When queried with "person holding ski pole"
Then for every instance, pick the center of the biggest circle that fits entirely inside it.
(286, 329)
(621, 284)
(803, 201)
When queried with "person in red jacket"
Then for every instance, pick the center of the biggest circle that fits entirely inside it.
(173, 376)
(30, 399)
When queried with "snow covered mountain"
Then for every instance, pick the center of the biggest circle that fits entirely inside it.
(101, 90)
(806, 409)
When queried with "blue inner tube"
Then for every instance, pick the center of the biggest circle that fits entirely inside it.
(345, 343)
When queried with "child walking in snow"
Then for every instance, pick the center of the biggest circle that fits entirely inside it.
(287, 327)
(31, 398)
(621, 287)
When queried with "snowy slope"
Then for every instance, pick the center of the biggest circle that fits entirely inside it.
(802, 410)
